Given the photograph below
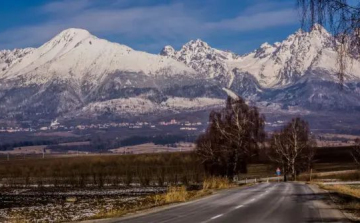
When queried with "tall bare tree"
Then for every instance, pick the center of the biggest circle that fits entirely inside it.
(356, 152)
(232, 138)
(343, 18)
(293, 148)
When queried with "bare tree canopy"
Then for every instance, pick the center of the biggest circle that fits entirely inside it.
(292, 148)
(231, 139)
(343, 18)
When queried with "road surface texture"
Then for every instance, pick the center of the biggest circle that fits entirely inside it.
(265, 203)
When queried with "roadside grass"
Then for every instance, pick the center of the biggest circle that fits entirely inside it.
(353, 176)
(351, 190)
(320, 176)
(347, 198)
(334, 166)
(175, 194)
(268, 170)
(216, 183)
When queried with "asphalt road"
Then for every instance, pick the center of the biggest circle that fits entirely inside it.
(266, 203)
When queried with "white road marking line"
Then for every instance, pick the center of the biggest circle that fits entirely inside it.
(237, 207)
(217, 216)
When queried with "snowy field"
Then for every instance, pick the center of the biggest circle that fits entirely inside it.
(64, 205)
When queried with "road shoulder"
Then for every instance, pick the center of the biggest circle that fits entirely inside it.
(328, 210)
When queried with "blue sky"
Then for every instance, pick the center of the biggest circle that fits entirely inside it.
(236, 25)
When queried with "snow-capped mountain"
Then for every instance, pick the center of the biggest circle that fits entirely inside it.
(299, 71)
(273, 66)
(282, 64)
(76, 68)
(76, 74)
(205, 60)
(76, 54)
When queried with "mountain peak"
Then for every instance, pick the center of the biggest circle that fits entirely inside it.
(319, 29)
(73, 35)
(265, 45)
(198, 43)
(168, 51)
(72, 32)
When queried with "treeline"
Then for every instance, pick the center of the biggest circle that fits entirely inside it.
(98, 144)
(157, 140)
(9, 146)
(106, 170)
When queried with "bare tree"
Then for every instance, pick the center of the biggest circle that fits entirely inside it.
(293, 148)
(231, 139)
(343, 18)
(356, 151)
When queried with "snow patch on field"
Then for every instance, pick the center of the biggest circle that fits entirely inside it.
(68, 205)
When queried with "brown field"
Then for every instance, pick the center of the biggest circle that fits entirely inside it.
(335, 140)
(75, 143)
(152, 148)
(27, 150)
(58, 134)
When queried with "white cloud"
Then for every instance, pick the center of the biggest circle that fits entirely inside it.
(65, 6)
(256, 21)
(166, 22)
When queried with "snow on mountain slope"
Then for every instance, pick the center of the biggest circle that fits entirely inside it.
(273, 66)
(121, 106)
(283, 63)
(191, 103)
(201, 57)
(76, 54)
(140, 106)
(10, 57)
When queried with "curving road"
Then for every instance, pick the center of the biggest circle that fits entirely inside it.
(265, 203)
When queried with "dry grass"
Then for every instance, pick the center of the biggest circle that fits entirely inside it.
(216, 183)
(353, 191)
(347, 197)
(175, 194)
(148, 202)
(17, 220)
(346, 175)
